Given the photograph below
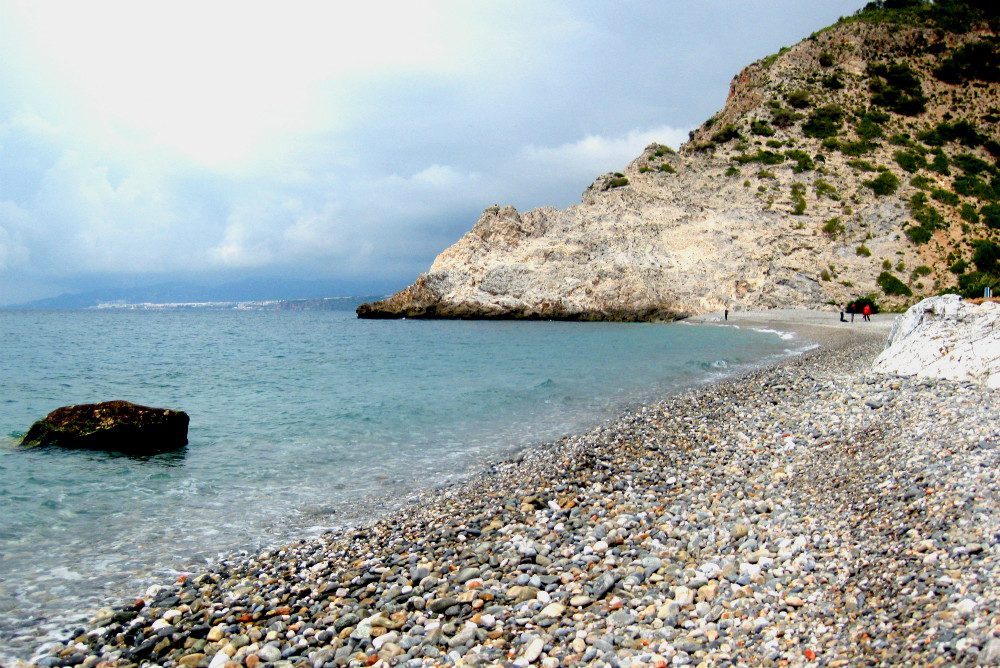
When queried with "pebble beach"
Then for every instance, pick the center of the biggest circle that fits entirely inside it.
(807, 513)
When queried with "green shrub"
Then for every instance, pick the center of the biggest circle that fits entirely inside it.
(893, 286)
(799, 99)
(668, 168)
(662, 150)
(945, 197)
(861, 165)
(895, 87)
(732, 171)
(764, 174)
(885, 183)
(918, 201)
(824, 275)
(917, 234)
(863, 251)
(823, 122)
(911, 161)
(958, 267)
(922, 182)
(973, 186)
(868, 129)
(940, 163)
(802, 160)
(833, 82)
(774, 143)
(856, 148)
(972, 61)
(784, 118)
(972, 284)
(929, 218)
(824, 188)
(764, 157)
(762, 128)
(986, 256)
(969, 213)
(991, 215)
(617, 182)
(832, 227)
(886, 264)
(727, 133)
(899, 139)
(922, 270)
(798, 198)
(970, 164)
(826, 59)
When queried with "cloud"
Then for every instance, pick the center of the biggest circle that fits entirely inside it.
(324, 140)
(595, 154)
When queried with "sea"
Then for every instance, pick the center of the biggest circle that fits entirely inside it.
(301, 422)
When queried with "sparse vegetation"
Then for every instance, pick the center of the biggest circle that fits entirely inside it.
(825, 121)
(892, 286)
(799, 99)
(895, 87)
(885, 183)
(832, 227)
(798, 199)
(762, 128)
(863, 251)
(911, 161)
(802, 161)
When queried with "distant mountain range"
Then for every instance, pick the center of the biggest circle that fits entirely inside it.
(276, 293)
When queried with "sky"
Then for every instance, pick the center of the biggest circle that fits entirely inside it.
(211, 141)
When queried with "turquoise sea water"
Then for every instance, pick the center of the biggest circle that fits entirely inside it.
(300, 421)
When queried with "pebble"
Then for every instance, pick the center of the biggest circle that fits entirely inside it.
(774, 518)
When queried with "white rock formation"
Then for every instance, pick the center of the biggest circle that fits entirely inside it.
(945, 337)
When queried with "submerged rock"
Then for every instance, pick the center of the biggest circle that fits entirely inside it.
(117, 426)
(945, 337)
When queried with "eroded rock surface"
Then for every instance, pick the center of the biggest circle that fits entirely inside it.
(117, 426)
(945, 337)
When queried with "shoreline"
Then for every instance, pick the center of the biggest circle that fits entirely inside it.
(707, 526)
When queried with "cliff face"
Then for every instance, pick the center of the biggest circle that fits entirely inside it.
(845, 166)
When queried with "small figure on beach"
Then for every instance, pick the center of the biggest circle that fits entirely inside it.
(725, 314)
(842, 318)
(867, 312)
(851, 309)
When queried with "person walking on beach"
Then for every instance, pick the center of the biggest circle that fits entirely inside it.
(851, 309)
(842, 318)
(725, 314)
(867, 313)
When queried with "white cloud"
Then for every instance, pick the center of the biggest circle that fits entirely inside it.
(596, 154)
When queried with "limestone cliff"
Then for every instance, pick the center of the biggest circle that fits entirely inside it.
(862, 161)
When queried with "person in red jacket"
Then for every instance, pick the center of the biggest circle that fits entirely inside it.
(867, 312)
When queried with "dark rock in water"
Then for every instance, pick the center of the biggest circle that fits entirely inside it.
(117, 426)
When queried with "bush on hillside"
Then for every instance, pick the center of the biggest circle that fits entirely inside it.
(885, 183)
(824, 122)
(895, 87)
(893, 286)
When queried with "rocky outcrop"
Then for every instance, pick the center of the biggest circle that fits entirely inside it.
(945, 337)
(117, 426)
(812, 186)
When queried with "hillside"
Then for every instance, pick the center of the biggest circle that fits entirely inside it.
(861, 161)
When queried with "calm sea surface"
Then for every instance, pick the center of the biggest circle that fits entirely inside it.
(299, 422)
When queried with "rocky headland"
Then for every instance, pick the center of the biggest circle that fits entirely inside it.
(861, 161)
